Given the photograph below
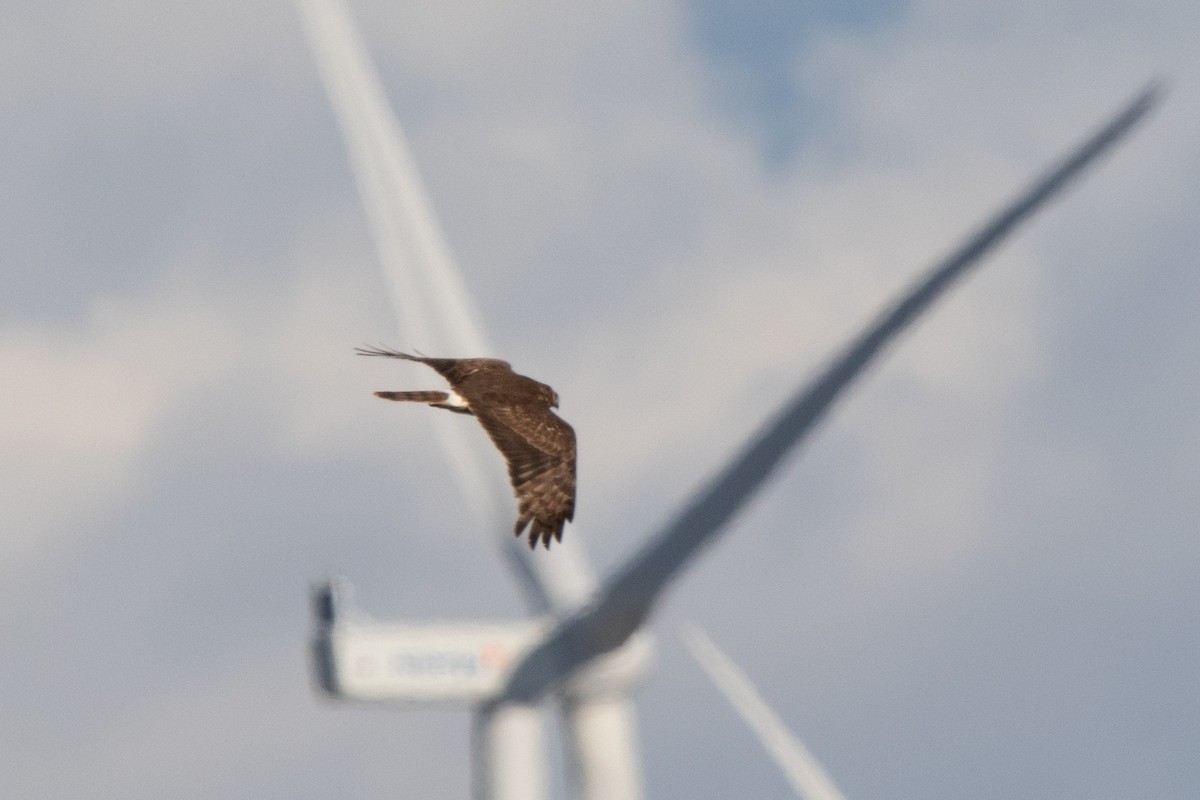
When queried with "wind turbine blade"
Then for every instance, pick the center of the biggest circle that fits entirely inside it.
(437, 315)
(626, 599)
(416, 260)
(427, 291)
(806, 775)
(435, 311)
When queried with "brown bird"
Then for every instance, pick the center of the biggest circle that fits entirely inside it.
(515, 411)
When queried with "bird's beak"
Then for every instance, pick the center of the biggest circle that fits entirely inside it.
(555, 403)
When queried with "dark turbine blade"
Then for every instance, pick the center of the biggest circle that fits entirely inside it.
(625, 600)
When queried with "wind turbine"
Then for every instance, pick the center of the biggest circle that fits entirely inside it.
(585, 644)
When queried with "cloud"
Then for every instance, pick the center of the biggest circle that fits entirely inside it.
(634, 241)
(86, 402)
(92, 399)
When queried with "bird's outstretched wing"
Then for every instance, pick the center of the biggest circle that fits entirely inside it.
(540, 450)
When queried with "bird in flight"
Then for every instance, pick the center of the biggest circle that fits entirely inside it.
(516, 413)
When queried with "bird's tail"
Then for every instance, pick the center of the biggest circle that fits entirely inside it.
(416, 397)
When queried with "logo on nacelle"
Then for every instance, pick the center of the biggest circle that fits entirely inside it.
(433, 662)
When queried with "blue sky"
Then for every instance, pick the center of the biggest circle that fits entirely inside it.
(977, 580)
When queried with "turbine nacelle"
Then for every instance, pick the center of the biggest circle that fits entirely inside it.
(358, 658)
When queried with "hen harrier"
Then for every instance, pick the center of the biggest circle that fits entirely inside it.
(515, 411)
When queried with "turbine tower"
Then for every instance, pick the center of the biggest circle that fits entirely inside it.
(584, 642)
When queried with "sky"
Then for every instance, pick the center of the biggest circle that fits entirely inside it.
(976, 580)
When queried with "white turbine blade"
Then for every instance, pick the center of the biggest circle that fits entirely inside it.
(625, 600)
(806, 775)
(427, 291)
(434, 309)
(426, 288)
(437, 315)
